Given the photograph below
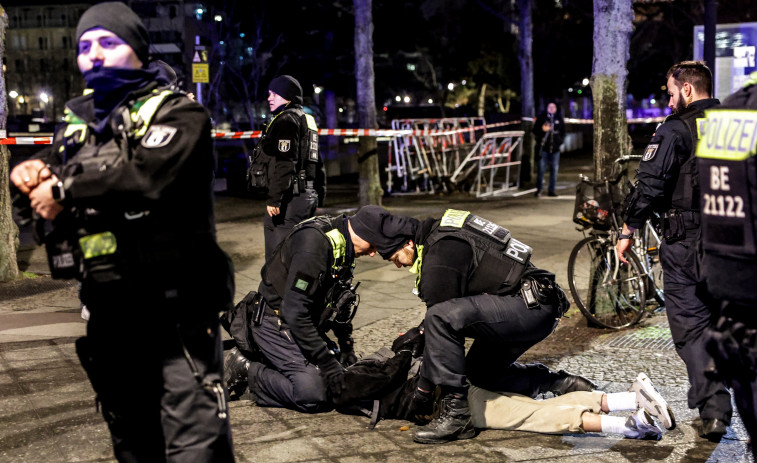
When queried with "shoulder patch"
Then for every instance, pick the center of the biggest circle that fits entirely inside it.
(302, 283)
(284, 145)
(650, 152)
(158, 136)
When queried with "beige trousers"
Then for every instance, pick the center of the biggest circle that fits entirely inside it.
(515, 412)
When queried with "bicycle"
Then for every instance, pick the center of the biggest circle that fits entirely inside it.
(607, 293)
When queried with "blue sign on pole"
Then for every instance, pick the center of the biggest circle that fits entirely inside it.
(735, 47)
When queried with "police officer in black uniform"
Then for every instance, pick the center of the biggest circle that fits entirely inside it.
(128, 185)
(667, 183)
(296, 180)
(306, 290)
(477, 282)
(727, 162)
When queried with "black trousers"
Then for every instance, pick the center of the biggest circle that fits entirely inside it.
(286, 379)
(689, 317)
(733, 345)
(291, 212)
(156, 368)
(502, 327)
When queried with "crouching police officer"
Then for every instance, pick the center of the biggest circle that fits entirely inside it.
(667, 182)
(128, 183)
(727, 158)
(305, 291)
(477, 282)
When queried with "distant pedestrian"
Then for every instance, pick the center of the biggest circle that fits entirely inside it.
(128, 186)
(549, 129)
(287, 157)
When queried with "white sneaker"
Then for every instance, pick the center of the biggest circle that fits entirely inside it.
(650, 400)
(642, 426)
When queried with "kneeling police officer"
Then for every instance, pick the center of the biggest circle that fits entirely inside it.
(477, 282)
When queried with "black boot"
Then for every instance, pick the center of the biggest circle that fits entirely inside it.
(235, 366)
(563, 382)
(453, 423)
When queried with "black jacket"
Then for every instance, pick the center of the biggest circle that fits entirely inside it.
(549, 141)
(164, 187)
(307, 256)
(670, 146)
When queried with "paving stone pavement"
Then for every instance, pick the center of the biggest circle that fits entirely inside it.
(46, 404)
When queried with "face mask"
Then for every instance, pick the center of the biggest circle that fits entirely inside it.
(111, 85)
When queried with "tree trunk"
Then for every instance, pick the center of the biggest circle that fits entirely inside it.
(613, 25)
(526, 89)
(368, 166)
(8, 228)
(482, 101)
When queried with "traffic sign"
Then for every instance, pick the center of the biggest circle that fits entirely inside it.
(200, 73)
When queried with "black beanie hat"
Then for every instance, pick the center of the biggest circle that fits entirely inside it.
(386, 232)
(287, 87)
(122, 21)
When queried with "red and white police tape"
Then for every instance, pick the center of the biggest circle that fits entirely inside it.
(219, 134)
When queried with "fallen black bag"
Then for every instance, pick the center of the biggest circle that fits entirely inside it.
(238, 323)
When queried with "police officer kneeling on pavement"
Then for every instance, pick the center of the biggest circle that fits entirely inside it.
(477, 282)
(667, 183)
(128, 185)
(727, 160)
(306, 290)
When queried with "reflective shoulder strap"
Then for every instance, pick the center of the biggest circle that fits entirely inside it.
(338, 246)
(144, 110)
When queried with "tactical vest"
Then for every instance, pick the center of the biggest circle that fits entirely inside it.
(499, 260)
(89, 244)
(277, 269)
(727, 156)
(686, 192)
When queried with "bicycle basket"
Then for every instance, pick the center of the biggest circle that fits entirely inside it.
(595, 201)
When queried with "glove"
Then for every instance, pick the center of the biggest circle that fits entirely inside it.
(422, 406)
(333, 375)
(347, 357)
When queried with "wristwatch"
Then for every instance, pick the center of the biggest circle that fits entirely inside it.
(59, 194)
(622, 236)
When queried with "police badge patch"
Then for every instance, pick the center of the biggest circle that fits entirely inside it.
(650, 152)
(158, 136)
(284, 145)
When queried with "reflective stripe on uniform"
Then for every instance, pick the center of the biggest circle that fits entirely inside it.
(311, 122)
(338, 247)
(100, 244)
(145, 110)
(729, 135)
(454, 218)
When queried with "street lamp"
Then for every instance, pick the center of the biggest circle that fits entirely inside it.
(317, 89)
(13, 94)
(406, 99)
(585, 82)
(43, 96)
(450, 86)
(218, 18)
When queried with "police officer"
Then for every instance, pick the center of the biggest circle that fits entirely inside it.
(128, 185)
(296, 180)
(306, 290)
(477, 282)
(728, 178)
(667, 183)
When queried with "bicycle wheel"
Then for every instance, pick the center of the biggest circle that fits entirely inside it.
(650, 259)
(608, 295)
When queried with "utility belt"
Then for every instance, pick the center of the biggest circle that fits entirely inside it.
(260, 308)
(300, 183)
(538, 291)
(674, 223)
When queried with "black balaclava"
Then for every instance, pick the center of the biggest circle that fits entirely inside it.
(287, 87)
(386, 232)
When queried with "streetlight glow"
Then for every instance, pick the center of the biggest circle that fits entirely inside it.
(13, 94)
(397, 98)
(406, 99)
(43, 96)
(317, 89)
(430, 101)
(450, 86)
(218, 18)
(585, 82)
